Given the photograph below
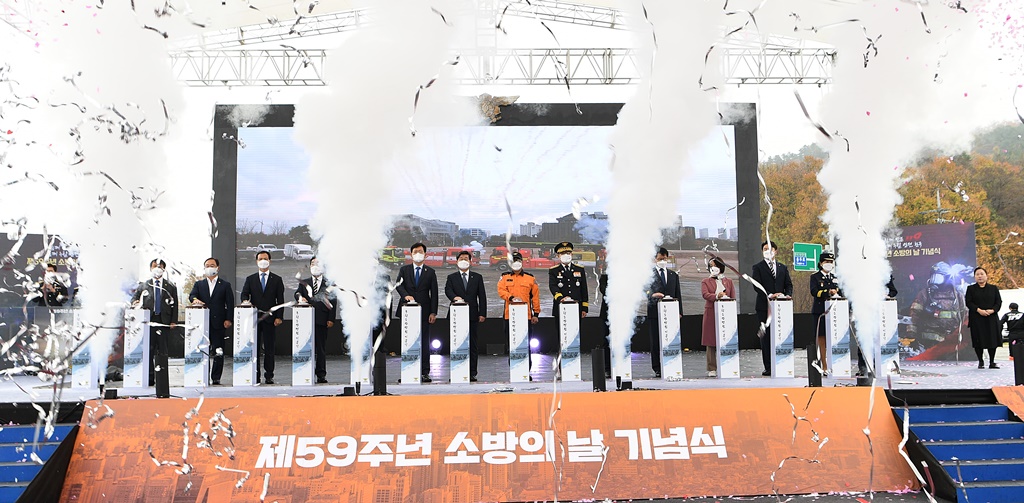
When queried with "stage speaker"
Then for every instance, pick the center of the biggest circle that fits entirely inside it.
(597, 363)
(110, 394)
(380, 374)
(349, 391)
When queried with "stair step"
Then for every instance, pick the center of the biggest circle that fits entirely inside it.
(976, 449)
(26, 433)
(986, 470)
(19, 472)
(955, 413)
(23, 451)
(9, 493)
(1003, 491)
(975, 430)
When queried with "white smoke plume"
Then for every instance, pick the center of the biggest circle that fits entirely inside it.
(358, 136)
(651, 143)
(899, 103)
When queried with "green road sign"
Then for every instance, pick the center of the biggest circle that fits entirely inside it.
(805, 256)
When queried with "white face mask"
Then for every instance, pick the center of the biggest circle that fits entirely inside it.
(662, 264)
(316, 270)
(211, 272)
(463, 264)
(157, 272)
(828, 266)
(263, 264)
(418, 257)
(768, 255)
(516, 266)
(565, 258)
(715, 271)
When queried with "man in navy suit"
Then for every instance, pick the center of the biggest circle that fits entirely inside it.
(468, 286)
(160, 297)
(217, 295)
(664, 285)
(774, 277)
(264, 290)
(417, 283)
(316, 291)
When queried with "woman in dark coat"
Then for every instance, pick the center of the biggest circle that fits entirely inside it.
(713, 288)
(983, 302)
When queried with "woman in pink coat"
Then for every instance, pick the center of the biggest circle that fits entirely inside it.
(712, 288)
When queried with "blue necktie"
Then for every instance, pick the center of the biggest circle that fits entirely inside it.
(417, 279)
(263, 280)
(156, 297)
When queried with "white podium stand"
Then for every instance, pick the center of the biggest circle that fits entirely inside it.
(197, 347)
(671, 342)
(782, 339)
(244, 371)
(519, 342)
(569, 336)
(303, 357)
(136, 348)
(837, 337)
(887, 351)
(728, 338)
(412, 349)
(458, 324)
(83, 373)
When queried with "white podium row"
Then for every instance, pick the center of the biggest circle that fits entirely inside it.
(245, 371)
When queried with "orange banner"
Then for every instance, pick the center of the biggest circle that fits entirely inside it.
(1012, 397)
(639, 444)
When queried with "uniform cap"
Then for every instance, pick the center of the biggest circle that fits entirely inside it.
(517, 257)
(563, 247)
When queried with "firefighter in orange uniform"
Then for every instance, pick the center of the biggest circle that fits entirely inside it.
(519, 286)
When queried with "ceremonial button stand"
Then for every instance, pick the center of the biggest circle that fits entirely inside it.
(671, 342)
(412, 350)
(837, 337)
(569, 336)
(458, 323)
(887, 351)
(303, 360)
(243, 361)
(782, 338)
(197, 347)
(136, 348)
(519, 341)
(727, 336)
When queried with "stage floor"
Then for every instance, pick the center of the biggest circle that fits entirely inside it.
(493, 375)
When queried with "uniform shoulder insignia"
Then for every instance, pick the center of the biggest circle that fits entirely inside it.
(506, 273)
(528, 274)
(555, 266)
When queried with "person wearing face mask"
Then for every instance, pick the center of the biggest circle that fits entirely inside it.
(823, 286)
(713, 288)
(418, 283)
(160, 297)
(264, 290)
(1014, 321)
(468, 286)
(567, 281)
(518, 285)
(664, 284)
(775, 280)
(218, 296)
(52, 290)
(315, 291)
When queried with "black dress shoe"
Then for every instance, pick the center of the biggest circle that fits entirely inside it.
(981, 365)
(425, 379)
(472, 378)
(993, 366)
(216, 383)
(270, 381)
(767, 373)
(321, 380)
(657, 374)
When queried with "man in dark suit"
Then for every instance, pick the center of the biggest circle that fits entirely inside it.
(264, 290)
(664, 285)
(315, 290)
(52, 290)
(418, 283)
(468, 286)
(774, 277)
(160, 297)
(218, 296)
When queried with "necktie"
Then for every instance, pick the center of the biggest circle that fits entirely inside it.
(771, 265)
(263, 281)
(316, 286)
(664, 280)
(417, 279)
(156, 297)
(465, 281)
